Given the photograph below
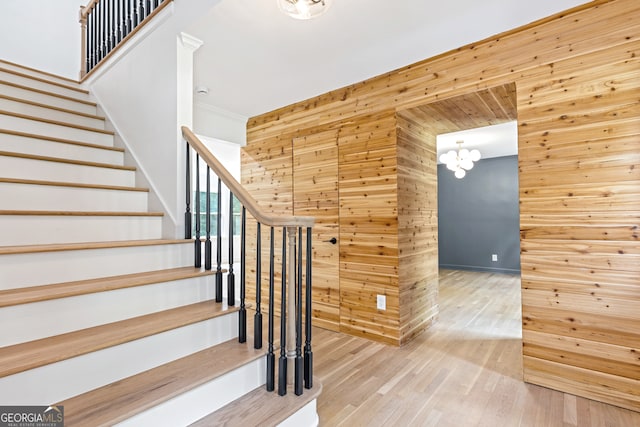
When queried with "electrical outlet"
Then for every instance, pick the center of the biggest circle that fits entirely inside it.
(494, 257)
(382, 302)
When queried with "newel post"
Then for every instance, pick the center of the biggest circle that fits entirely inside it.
(291, 303)
(83, 40)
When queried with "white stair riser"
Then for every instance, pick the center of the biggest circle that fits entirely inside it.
(38, 74)
(307, 416)
(43, 98)
(18, 271)
(42, 229)
(54, 130)
(65, 379)
(85, 311)
(194, 404)
(21, 168)
(54, 198)
(50, 113)
(43, 147)
(37, 84)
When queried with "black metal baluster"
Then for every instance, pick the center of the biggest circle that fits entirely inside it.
(119, 21)
(282, 362)
(242, 314)
(187, 212)
(147, 10)
(271, 357)
(103, 12)
(129, 22)
(87, 38)
(207, 242)
(257, 319)
(106, 27)
(155, 4)
(135, 15)
(97, 42)
(197, 243)
(219, 246)
(231, 280)
(298, 364)
(92, 61)
(140, 11)
(98, 10)
(308, 354)
(112, 24)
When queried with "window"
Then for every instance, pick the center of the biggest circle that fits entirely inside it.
(202, 215)
(213, 206)
(237, 216)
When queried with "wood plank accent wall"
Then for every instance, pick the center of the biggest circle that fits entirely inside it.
(315, 178)
(580, 214)
(267, 171)
(417, 226)
(369, 227)
(577, 76)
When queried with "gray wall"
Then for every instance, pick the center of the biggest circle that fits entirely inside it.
(479, 216)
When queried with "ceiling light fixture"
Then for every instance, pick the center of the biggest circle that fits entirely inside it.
(460, 161)
(304, 9)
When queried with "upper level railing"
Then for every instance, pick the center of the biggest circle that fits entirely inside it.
(293, 259)
(107, 24)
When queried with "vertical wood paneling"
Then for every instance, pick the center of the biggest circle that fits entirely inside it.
(578, 77)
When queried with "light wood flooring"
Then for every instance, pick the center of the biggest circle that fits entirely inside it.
(464, 371)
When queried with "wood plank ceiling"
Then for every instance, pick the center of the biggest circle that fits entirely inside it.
(473, 110)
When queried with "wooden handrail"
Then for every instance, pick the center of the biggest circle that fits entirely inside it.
(84, 10)
(240, 192)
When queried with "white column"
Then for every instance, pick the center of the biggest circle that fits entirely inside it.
(186, 46)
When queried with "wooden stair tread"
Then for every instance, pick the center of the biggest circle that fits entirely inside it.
(71, 184)
(68, 161)
(46, 73)
(120, 400)
(44, 92)
(29, 355)
(77, 213)
(260, 407)
(39, 79)
(56, 122)
(60, 140)
(31, 294)
(58, 247)
(51, 107)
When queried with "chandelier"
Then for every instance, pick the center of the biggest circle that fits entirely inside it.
(460, 161)
(304, 9)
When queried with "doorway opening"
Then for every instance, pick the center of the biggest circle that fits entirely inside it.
(478, 231)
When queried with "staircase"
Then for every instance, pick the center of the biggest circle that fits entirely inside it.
(99, 312)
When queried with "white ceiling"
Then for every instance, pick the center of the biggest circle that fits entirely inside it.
(255, 59)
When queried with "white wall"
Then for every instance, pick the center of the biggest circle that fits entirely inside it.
(142, 94)
(227, 152)
(218, 123)
(42, 34)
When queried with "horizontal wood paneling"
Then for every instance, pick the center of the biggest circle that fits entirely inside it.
(578, 183)
(577, 78)
(315, 180)
(608, 329)
(418, 222)
(369, 227)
